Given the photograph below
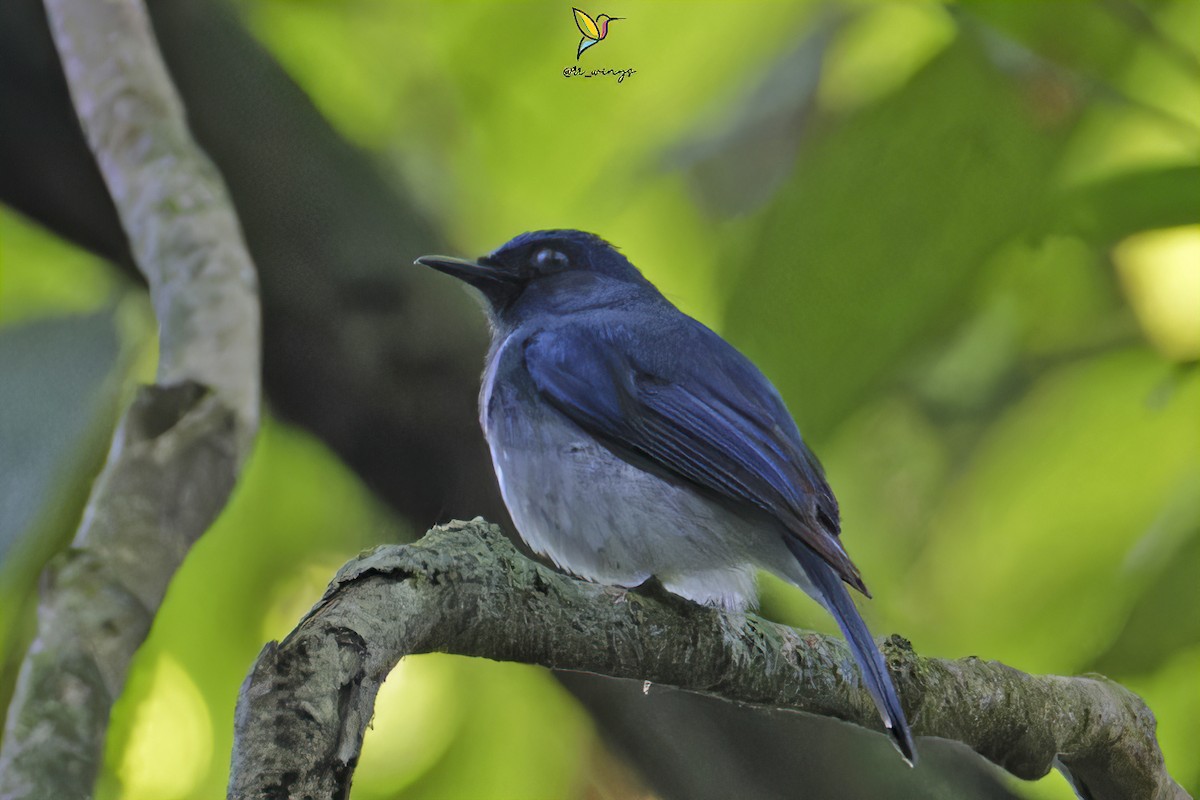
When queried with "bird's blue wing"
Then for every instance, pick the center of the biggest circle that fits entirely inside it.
(584, 44)
(705, 414)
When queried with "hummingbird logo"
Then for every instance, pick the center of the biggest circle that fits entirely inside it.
(593, 30)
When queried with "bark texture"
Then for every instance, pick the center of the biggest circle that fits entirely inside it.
(464, 589)
(178, 448)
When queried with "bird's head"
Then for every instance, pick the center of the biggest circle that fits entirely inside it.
(552, 262)
(602, 23)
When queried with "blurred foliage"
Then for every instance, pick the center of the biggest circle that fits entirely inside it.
(966, 251)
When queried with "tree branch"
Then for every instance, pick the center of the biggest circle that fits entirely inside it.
(178, 448)
(348, 320)
(464, 589)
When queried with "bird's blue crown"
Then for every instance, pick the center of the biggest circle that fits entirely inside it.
(584, 250)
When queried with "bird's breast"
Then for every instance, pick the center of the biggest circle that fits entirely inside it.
(598, 515)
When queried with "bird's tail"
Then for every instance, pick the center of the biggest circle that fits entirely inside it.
(837, 600)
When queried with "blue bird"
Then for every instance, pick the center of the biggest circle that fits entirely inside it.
(630, 442)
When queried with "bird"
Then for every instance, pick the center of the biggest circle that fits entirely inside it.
(632, 442)
(593, 30)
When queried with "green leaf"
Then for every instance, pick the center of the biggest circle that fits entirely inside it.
(883, 229)
(52, 369)
(1033, 556)
(57, 400)
(1107, 211)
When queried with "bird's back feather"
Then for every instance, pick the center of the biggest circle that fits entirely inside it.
(709, 416)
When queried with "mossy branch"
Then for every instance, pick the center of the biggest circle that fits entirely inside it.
(465, 589)
(179, 447)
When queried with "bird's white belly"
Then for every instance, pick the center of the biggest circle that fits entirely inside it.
(602, 518)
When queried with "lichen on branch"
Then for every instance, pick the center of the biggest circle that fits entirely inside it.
(465, 589)
(179, 447)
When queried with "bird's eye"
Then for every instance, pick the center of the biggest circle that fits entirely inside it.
(548, 260)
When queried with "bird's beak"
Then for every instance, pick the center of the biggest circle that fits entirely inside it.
(470, 271)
